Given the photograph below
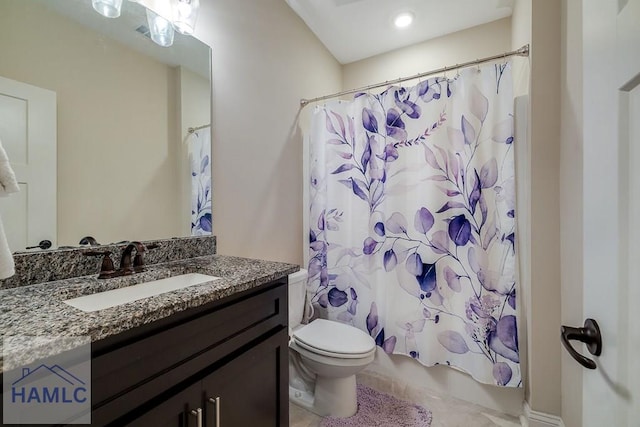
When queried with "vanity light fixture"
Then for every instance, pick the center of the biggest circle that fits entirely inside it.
(160, 28)
(166, 16)
(107, 8)
(403, 19)
(185, 14)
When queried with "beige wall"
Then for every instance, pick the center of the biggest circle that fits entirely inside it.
(264, 60)
(571, 202)
(538, 23)
(116, 179)
(195, 100)
(520, 36)
(543, 328)
(477, 42)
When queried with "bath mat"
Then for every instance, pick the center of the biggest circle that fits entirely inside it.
(376, 409)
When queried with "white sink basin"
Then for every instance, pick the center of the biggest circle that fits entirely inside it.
(107, 299)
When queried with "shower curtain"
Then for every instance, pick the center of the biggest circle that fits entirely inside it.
(412, 214)
(200, 160)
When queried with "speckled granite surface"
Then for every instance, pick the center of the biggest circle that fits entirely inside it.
(39, 309)
(46, 266)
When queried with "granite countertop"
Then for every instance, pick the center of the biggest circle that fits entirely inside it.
(39, 310)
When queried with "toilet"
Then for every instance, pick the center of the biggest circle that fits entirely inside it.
(324, 357)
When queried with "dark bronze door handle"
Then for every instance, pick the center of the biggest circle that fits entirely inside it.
(590, 335)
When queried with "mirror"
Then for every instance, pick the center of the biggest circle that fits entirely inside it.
(128, 168)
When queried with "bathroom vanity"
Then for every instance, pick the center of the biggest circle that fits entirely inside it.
(213, 354)
(224, 362)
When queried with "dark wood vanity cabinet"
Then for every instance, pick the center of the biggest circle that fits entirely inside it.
(246, 388)
(242, 392)
(233, 352)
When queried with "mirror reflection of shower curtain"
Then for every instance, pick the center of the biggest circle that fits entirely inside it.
(200, 161)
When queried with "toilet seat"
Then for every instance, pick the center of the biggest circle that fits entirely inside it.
(333, 339)
(330, 354)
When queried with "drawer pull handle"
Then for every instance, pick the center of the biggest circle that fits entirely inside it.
(216, 405)
(198, 414)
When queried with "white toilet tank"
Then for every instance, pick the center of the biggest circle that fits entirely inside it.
(297, 292)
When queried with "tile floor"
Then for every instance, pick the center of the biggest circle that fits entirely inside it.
(447, 412)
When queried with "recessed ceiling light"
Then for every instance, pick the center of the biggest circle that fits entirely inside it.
(403, 20)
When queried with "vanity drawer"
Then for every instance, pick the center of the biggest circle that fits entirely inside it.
(154, 359)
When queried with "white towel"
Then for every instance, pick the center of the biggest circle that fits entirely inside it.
(7, 267)
(8, 182)
(8, 185)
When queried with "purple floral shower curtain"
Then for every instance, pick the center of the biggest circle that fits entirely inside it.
(413, 221)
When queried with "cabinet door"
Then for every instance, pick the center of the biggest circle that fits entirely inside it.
(252, 388)
(175, 411)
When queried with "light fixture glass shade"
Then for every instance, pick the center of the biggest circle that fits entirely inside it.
(160, 29)
(108, 8)
(185, 14)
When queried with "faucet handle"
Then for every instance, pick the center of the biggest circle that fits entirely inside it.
(107, 269)
(138, 260)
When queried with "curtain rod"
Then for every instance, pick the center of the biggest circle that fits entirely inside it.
(192, 130)
(523, 51)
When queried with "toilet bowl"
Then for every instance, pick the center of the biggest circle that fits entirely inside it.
(324, 358)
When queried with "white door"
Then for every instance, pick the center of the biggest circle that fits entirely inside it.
(28, 134)
(611, 190)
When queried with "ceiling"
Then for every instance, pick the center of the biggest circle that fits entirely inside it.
(357, 29)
